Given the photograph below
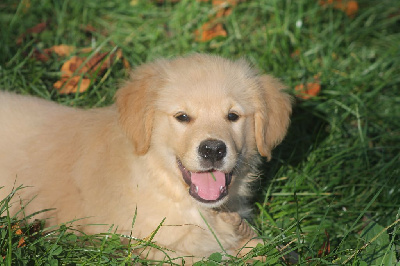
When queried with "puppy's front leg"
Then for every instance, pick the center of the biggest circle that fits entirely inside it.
(247, 236)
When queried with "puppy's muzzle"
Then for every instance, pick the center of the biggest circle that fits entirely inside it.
(212, 152)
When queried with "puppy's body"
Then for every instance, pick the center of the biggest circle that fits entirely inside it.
(142, 154)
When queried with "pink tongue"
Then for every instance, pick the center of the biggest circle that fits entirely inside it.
(209, 187)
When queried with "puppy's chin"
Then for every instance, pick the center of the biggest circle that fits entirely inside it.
(212, 205)
(209, 188)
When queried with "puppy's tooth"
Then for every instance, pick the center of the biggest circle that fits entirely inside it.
(197, 189)
(221, 188)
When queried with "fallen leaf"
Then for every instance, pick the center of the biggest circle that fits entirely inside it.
(224, 12)
(19, 232)
(21, 242)
(98, 63)
(213, 29)
(226, 2)
(224, 6)
(166, 1)
(394, 15)
(126, 64)
(295, 54)
(88, 28)
(71, 66)
(350, 7)
(308, 90)
(69, 85)
(223, 2)
(26, 4)
(17, 229)
(36, 226)
(71, 80)
(62, 49)
(85, 50)
(77, 72)
(325, 248)
(41, 55)
(209, 31)
(38, 28)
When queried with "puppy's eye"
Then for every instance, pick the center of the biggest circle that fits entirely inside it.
(182, 117)
(233, 117)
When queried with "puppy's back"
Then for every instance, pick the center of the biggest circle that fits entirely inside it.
(24, 121)
(20, 114)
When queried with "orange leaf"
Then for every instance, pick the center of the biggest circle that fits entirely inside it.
(17, 229)
(218, 2)
(71, 65)
(224, 6)
(19, 232)
(224, 2)
(295, 54)
(72, 70)
(350, 7)
(85, 50)
(310, 90)
(62, 49)
(21, 242)
(127, 66)
(209, 31)
(69, 85)
(98, 64)
(167, 1)
(88, 28)
(125, 62)
(224, 12)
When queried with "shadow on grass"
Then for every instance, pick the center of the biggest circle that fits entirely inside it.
(307, 130)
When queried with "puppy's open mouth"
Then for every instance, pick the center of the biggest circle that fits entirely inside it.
(206, 187)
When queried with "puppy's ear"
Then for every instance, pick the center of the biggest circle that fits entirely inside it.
(272, 115)
(136, 104)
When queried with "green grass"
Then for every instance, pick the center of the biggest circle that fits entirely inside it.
(336, 172)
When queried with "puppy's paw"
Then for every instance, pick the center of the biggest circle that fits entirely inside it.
(246, 231)
(240, 226)
(246, 234)
(249, 240)
(247, 246)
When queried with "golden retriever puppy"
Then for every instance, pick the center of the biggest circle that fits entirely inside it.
(179, 147)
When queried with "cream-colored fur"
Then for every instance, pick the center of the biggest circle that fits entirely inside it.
(103, 164)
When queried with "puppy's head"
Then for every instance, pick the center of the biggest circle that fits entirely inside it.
(203, 118)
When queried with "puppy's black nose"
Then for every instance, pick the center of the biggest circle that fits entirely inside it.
(212, 150)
